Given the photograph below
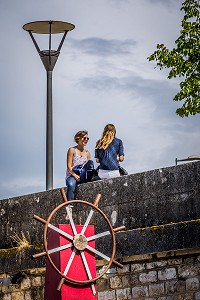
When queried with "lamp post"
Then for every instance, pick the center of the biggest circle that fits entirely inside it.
(49, 58)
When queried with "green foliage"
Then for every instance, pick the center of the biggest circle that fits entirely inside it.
(184, 60)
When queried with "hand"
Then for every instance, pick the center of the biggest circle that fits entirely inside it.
(76, 177)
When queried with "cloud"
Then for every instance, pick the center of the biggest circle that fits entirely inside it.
(103, 47)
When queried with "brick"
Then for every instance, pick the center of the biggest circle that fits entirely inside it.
(148, 277)
(130, 280)
(152, 265)
(156, 289)
(27, 295)
(192, 284)
(175, 286)
(10, 288)
(36, 281)
(17, 296)
(137, 267)
(167, 298)
(107, 295)
(174, 261)
(123, 294)
(166, 274)
(115, 282)
(188, 260)
(125, 269)
(25, 284)
(197, 296)
(103, 284)
(139, 291)
(6, 297)
(185, 297)
(187, 271)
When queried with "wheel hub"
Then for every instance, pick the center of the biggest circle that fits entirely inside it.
(80, 242)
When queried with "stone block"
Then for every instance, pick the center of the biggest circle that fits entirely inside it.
(167, 298)
(11, 288)
(186, 271)
(115, 282)
(125, 269)
(157, 289)
(27, 295)
(103, 284)
(156, 264)
(139, 292)
(25, 284)
(130, 280)
(6, 297)
(197, 296)
(123, 294)
(36, 281)
(148, 277)
(192, 284)
(185, 297)
(137, 267)
(17, 296)
(175, 286)
(174, 261)
(166, 274)
(107, 295)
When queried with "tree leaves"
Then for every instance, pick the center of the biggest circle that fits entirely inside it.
(184, 60)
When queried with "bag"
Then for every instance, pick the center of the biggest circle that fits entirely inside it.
(122, 171)
(85, 171)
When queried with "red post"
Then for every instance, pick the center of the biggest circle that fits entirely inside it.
(77, 271)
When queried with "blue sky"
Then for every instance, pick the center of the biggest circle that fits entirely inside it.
(102, 76)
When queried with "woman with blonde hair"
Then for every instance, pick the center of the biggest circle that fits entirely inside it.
(76, 156)
(109, 152)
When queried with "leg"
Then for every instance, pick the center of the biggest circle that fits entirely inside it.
(71, 185)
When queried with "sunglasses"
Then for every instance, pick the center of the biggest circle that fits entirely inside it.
(85, 138)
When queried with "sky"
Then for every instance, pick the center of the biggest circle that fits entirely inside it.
(102, 76)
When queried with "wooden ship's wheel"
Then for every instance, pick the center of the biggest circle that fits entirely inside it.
(79, 242)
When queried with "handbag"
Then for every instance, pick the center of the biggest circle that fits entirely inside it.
(85, 171)
(122, 171)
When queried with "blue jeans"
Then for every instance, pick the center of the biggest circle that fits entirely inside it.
(71, 185)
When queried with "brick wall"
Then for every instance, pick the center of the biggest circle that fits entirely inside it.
(29, 285)
(161, 276)
(165, 276)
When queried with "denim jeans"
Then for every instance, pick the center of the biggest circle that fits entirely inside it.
(71, 185)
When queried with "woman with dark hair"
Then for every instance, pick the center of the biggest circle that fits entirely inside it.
(109, 152)
(76, 156)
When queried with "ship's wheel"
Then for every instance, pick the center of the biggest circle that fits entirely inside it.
(79, 242)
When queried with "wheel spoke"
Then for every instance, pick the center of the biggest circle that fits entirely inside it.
(65, 234)
(69, 262)
(97, 252)
(96, 236)
(71, 220)
(59, 248)
(88, 271)
(87, 221)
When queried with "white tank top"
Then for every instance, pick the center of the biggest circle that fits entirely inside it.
(77, 160)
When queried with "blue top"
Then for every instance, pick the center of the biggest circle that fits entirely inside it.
(108, 157)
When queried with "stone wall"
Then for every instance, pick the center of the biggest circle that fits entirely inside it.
(161, 276)
(161, 212)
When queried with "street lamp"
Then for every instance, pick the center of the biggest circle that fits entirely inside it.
(49, 58)
(189, 158)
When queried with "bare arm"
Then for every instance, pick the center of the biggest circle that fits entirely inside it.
(70, 154)
(88, 155)
(97, 160)
(121, 158)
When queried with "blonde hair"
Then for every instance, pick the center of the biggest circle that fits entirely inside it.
(79, 135)
(107, 137)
